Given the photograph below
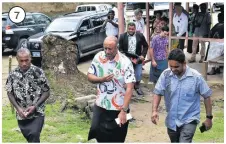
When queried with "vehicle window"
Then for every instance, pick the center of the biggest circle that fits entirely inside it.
(4, 22)
(86, 23)
(88, 8)
(93, 8)
(63, 25)
(41, 19)
(82, 9)
(102, 8)
(97, 21)
(29, 20)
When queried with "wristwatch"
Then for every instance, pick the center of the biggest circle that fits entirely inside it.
(209, 117)
(125, 109)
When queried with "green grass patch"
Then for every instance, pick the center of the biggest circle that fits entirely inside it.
(216, 133)
(69, 126)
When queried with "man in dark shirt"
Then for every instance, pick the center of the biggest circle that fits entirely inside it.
(28, 89)
(134, 43)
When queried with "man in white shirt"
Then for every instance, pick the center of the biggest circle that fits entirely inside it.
(111, 24)
(180, 22)
(139, 21)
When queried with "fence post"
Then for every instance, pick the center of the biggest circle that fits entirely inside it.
(10, 67)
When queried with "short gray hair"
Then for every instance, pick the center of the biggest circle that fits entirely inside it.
(23, 51)
(137, 11)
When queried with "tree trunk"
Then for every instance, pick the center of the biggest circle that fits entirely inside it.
(59, 59)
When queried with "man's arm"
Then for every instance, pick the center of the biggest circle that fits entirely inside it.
(113, 23)
(42, 99)
(105, 23)
(208, 106)
(128, 94)
(94, 79)
(12, 100)
(155, 103)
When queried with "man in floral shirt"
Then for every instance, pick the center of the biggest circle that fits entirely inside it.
(113, 72)
(28, 89)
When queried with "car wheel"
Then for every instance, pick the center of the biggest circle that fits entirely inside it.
(21, 44)
(77, 55)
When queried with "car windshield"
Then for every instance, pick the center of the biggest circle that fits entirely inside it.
(63, 25)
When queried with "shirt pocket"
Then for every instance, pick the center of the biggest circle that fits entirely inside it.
(189, 91)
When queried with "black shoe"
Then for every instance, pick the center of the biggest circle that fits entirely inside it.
(139, 91)
(212, 72)
(218, 70)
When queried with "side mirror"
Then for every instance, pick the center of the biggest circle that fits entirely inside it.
(84, 28)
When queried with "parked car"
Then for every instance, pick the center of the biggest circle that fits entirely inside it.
(94, 7)
(14, 36)
(85, 28)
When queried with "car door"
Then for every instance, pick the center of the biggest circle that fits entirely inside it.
(42, 21)
(99, 31)
(86, 38)
(26, 28)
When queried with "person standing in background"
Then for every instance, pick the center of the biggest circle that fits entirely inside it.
(202, 28)
(180, 22)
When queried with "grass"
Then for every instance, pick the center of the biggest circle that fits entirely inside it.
(69, 126)
(216, 134)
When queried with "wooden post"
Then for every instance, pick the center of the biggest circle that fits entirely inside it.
(187, 9)
(170, 23)
(147, 24)
(121, 24)
(10, 68)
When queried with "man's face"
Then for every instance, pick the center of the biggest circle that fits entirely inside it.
(176, 67)
(24, 61)
(131, 30)
(139, 16)
(158, 16)
(165, 34)
(110, 49)
(178, 9)
(111, 15)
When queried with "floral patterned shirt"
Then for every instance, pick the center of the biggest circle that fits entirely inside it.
(159, 45)
(110, 95)
(27, 88)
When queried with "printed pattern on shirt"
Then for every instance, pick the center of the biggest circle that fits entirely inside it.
(27, 88)
(110, 95)
(132, 44)
(159, 45)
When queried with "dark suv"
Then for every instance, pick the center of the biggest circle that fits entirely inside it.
(85, 28)
(14, 36)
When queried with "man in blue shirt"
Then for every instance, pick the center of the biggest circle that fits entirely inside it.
(181, 87)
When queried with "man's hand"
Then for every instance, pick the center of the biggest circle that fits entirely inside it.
(141, 58)
(107, 78)
(155, 117)
(21, 113)
(122, 118)
(208, 123)
(153, 63)
(134, 60)
(29, 110)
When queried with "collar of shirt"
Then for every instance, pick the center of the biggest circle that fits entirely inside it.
(116, 58)
(187, 73)
(130, 35)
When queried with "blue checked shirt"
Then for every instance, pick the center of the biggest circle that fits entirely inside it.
(182, 96)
